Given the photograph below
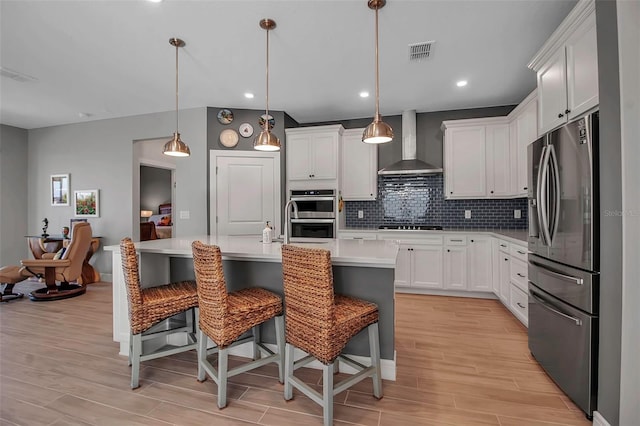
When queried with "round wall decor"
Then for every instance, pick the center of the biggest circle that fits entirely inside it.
(229, 138)
(246, 130)
(225, 116)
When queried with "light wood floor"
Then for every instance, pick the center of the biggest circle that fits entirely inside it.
(460, 362)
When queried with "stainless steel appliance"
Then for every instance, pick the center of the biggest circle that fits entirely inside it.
(316, 213)
(564, 280)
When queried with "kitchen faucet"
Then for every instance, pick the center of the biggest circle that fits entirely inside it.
(287, 219)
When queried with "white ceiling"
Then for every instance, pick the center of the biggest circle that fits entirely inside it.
(113, 58)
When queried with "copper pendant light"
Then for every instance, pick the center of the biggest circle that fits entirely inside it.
(267, 141)
(175, 147)
(378, 131)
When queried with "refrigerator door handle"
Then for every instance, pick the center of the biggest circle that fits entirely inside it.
(545, 305)
(575, 280)
(555, 210)
(543, 202)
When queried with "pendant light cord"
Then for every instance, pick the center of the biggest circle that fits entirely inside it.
(377, 117)
(266, 119)
(176, 85)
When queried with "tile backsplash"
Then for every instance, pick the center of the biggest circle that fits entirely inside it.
(419, 200)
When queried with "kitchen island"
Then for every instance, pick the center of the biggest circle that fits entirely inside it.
(362, 269)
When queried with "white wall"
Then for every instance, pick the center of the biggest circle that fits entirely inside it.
(100, 154)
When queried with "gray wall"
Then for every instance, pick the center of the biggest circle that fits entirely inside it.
(155, 188)
(611, 225)
(99, 155)
(428, 133)
(13, 195)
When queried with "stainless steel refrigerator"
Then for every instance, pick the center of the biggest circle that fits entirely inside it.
(564, 258)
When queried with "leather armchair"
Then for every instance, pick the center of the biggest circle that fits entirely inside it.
(65, 270)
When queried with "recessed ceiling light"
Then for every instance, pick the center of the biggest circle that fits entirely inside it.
(248, 95)
(154, 1)
(461, 83)
(364, 94)
(84, 114)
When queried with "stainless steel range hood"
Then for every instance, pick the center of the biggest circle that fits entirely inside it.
(409, 165)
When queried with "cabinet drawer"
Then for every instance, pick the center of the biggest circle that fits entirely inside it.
(409, 238)
(455, 240)
(519, 304)
(503, 246)
(519, 252)
(518, 274)
(357, 235)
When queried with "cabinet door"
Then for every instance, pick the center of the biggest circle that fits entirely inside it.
(324, 156)
(552, 93)
(298, 157)
(465, 169)
(359, 177)
(505, 282)
(455, 268)
(496, 257)
(526, 133)
(426, 266)
(480, 268)
(582, 68)
(497, 154)
(403, 267)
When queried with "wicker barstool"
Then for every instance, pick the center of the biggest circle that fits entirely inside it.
(150, 306)
(224, 317)
(321, 323)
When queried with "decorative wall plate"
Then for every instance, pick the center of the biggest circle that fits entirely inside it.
(272, 121)
(225, 116)
(229, 138)
(246, 130)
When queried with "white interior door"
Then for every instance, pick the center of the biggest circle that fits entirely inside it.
(245, 192)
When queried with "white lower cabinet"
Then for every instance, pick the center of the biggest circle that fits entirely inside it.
(505, 283)
(419, 266)
(519, 304)
(455, 267)
(479, 268)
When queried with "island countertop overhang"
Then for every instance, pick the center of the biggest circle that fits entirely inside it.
(367, 253)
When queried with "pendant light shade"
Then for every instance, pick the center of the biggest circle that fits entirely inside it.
(378, 131)
(175, 147)
(267, 141)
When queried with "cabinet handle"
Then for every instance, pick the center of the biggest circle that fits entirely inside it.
(520, 275)
(451, 192)
(525, 188)
(567, 111)
(502, 245)
(521, 252)
(520, 304)
(471, 240)
(492, 192)
(560, 115)
(448, 251)
(457, 241)
(506, 259)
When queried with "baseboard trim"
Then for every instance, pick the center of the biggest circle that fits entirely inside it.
(455, 293)
(598, 420)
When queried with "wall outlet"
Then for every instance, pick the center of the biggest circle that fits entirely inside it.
(467, 214)
(517, 214)
(185, 214)
(360, 214)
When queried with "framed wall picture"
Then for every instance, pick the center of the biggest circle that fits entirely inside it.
(59, 190)
(86, 203)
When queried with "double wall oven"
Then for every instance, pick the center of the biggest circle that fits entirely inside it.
(316, 213)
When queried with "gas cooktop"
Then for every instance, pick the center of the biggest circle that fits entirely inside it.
(404, 226)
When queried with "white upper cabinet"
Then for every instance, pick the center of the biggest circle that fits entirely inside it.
(359, 167)
(523, 130)
(312, 155)
(567, 69)
(476, 157)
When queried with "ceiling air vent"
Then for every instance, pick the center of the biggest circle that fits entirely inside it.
(419, 51)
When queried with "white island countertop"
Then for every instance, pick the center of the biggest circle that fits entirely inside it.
(365, 253)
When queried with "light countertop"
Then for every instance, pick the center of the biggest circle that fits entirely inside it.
(364, 253)
(518, 236)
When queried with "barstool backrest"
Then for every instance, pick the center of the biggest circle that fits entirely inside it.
(132, 282)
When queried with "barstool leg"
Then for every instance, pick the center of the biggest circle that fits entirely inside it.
(374, 348)
(223, 364)
(288, 372)
(202, 355)
(280, 343)
(256, 340)
(136, 348)
(327, 394)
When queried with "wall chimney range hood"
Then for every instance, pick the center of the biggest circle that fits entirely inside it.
(409, 165)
